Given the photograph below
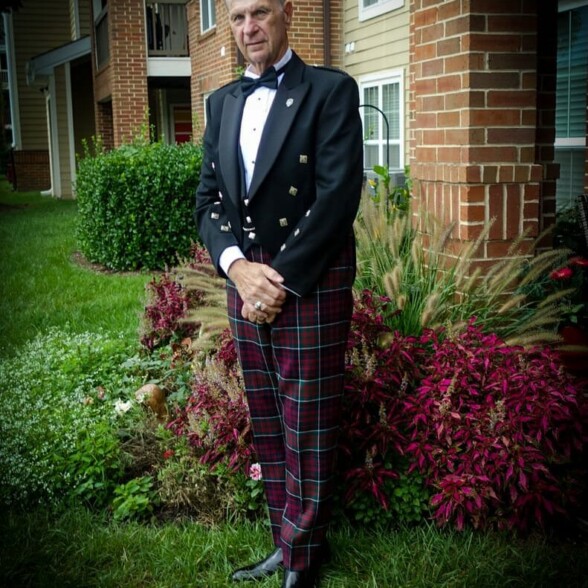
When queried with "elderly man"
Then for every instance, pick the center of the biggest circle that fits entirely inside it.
(279, 190)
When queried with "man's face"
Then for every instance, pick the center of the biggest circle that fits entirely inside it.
(260, 28)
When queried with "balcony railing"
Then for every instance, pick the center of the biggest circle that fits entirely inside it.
(167, 29)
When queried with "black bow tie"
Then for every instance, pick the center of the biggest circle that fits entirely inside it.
(269, 79)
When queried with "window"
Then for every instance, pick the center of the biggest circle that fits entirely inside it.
(167, 29)
(101, 32)
(207, 15)
(383, 144)
(570, 114)
(371, 8)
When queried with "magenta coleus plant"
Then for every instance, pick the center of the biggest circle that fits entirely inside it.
(168, 306)
(381, 368)
(216, 417)
(495, 430)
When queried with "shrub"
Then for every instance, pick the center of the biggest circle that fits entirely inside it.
(482, 433)
(136, 204)
(497, 432)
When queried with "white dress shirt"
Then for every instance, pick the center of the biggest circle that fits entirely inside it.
(255, 112)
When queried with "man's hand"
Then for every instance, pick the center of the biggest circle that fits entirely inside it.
(260, 288)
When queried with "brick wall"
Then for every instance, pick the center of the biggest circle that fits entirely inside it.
(128, 54)
(123, 81)
(105, 124)
(475, 154)
(31, 170)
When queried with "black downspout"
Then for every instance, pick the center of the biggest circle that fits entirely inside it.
(327, 31)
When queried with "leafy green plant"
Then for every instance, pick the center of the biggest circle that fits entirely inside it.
(135, 499)
(62, 398)
(408, 503)
(95, 466)
(397, 197)
(249, 495)
(136, 204)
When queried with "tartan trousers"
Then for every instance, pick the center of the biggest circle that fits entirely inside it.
(293, 371)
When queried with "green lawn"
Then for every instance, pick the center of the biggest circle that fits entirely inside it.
(85, 551)
(41, 284)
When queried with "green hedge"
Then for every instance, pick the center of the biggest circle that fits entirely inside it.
(136, 204)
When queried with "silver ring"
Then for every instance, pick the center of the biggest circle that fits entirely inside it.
(258, 305)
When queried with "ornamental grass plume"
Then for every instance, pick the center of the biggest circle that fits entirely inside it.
(199, 276)
(189, 301)
(434, 285)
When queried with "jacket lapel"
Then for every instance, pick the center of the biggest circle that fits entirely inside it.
(289, 98)
(229, 144)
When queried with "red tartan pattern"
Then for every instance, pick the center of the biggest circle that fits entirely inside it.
(293, 372)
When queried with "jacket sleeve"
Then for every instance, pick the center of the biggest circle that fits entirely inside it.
(214, 227)
(328, 223)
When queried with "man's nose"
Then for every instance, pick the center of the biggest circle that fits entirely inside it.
(250, 26)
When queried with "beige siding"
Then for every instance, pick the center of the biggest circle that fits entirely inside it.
(39, 26)
(381, 44)
(84, 16)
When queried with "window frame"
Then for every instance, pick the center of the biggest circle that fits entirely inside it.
(564, 146)
(206, 27)
(381, 7)
(380, 80)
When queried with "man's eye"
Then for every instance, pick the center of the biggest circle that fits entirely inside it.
(237, 18)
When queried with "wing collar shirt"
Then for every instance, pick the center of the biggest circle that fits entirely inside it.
(255, 112)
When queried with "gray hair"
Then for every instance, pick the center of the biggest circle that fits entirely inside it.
(228, 3)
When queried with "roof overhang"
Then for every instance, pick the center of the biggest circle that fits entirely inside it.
(41, 66)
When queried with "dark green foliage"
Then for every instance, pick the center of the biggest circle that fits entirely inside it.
(136, 204)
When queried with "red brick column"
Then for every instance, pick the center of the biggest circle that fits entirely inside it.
(475, 103)
(128, 62)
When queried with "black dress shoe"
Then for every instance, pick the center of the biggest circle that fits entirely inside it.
(260, 570)
(301, 579)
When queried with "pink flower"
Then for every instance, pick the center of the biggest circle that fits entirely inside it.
(168, 453)
(255, 472)
(578, 261)
(563, 273)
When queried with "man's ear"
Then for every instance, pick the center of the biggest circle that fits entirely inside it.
(288, 10)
